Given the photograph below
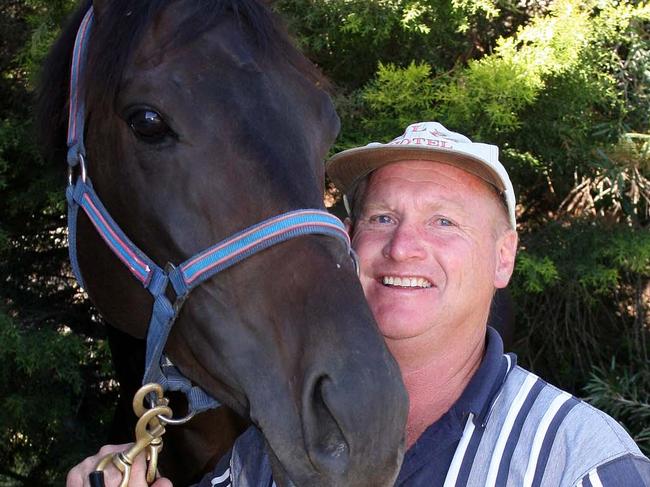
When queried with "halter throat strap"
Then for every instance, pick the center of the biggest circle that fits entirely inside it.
(182, 277)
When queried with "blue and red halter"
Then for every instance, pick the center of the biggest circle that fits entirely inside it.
(185, 276)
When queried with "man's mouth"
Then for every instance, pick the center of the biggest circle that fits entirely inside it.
(406, 282)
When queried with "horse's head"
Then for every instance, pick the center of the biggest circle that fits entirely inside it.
(203, 120)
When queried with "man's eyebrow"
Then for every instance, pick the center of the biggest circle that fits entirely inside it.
(437, 205)
(376, 207)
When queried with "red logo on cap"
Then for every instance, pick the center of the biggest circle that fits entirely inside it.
(444, 144)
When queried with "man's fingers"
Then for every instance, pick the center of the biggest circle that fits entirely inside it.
(139, 472)
(162, 482)
(78, 476)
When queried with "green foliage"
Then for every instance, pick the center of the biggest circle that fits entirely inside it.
(55, 393)
(348, 38)
(491, 94)
(596, 257)
(472, 8)
(620, 49)
(536, 273)
(42, 394)
(618, 186)
(579, 289)
(395, 96)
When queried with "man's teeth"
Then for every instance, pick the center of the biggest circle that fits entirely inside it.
(406, 281)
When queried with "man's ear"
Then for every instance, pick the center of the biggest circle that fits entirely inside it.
(506, 249)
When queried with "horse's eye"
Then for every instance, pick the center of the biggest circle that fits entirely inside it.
(149, 126)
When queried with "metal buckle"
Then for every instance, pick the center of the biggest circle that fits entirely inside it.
(82, 166)
(176, 422)
(148, 391)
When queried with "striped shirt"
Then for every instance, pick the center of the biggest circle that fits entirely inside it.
(508, 428)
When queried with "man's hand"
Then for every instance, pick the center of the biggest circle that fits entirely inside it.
(78, 476)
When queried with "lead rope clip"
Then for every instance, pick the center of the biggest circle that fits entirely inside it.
(148, 436)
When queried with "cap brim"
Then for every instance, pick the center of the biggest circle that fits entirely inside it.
(346, 169)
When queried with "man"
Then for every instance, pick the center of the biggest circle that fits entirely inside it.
(432, 218)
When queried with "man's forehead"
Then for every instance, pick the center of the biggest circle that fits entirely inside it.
(429, 186)
(418, 171)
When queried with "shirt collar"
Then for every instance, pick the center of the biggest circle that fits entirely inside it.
(483, 389)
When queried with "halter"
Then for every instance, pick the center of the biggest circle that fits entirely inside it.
(183, 277)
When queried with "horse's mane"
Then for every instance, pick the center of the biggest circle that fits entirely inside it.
(115, 37)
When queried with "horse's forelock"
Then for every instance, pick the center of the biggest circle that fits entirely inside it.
(115, 36)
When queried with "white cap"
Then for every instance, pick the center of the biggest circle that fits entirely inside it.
(429, 141)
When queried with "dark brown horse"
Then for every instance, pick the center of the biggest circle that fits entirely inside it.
(203, 119)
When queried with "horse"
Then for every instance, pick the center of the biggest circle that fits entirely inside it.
(202, 119)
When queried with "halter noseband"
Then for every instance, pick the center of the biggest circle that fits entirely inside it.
(185, 276)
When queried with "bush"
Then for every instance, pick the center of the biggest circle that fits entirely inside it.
(49, 418)
(580, 290)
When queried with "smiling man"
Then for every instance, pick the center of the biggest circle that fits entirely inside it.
(432, 218)
(429, 269)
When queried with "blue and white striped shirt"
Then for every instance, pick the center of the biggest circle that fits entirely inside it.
(508, 428)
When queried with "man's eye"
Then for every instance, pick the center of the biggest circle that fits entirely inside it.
(444, 222)
(381, 219)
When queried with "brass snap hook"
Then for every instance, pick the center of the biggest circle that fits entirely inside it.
(148, 436)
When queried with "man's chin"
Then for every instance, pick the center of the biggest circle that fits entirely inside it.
(401, 321)
(399, 330)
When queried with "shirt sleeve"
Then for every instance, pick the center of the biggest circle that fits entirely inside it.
(220, 476)
(629, 470)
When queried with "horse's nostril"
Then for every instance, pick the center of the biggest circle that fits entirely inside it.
(326, 444)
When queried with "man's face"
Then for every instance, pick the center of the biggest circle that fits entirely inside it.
(433, 245)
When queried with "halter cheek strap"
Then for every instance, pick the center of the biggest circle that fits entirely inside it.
(77, 107)
(183, 277)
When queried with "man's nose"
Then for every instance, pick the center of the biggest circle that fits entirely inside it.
(406, 243)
